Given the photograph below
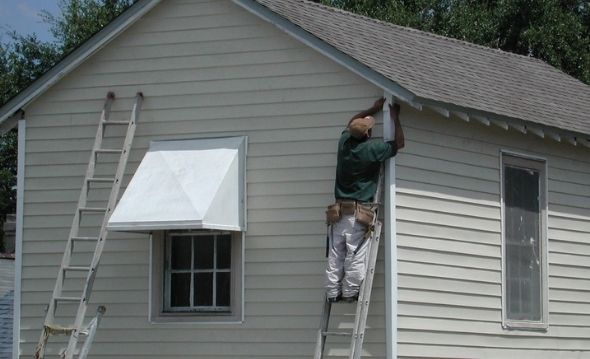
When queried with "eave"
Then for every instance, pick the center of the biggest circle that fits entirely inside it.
(402, 94)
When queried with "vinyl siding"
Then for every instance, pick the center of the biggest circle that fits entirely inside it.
(449, 243)
(209, 69)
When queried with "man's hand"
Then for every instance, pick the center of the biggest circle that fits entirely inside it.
(394, 110)
(379, 103)
(377, 106)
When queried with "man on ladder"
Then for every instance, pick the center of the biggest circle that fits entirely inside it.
(357, 174)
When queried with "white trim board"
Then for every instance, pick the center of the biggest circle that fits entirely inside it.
(390, 236)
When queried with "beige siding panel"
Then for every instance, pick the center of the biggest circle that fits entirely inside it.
(449, 244)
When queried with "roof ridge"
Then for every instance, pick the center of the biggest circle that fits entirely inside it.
(431, 34)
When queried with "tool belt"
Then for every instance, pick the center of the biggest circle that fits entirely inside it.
(363, 213)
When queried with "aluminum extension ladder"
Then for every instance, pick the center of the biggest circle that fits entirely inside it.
(78, 328)
(362, 307)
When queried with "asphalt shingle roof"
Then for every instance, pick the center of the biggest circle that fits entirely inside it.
(447, 70)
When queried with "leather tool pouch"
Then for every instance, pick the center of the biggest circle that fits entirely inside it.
(333, 213)
(364, 215)
(348, 207)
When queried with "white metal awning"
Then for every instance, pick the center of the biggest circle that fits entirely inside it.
(186, 184)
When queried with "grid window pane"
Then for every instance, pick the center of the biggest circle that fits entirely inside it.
(223, 289)
(181, 253)
(203, 289)
(199, 276)
(224, 252)
(523, 248)
(180, 289)
(204, 252)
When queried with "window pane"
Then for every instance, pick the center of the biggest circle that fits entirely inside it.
(180, 290)
(204, 289)
(224, 252)
(522, 230)
(223, 289)
(181, 253)
(204, 252)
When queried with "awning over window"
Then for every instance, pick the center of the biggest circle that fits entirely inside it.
(186, 184)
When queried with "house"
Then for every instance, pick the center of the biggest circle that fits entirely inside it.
(487, 208)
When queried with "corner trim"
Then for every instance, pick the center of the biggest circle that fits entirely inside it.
(390, 246)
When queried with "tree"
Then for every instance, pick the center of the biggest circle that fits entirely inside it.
(26, 58)
(80, 19)
(556, 31)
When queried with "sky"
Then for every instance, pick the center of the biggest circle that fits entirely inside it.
(23, 16)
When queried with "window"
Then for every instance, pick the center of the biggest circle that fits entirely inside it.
(196, 276)
(524, 208)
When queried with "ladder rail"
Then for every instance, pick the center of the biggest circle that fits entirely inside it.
(92, 327)
(321, 335)
(80, 315)
(362, 308)
(82, 200)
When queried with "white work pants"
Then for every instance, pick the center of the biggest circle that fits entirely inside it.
(346, 270)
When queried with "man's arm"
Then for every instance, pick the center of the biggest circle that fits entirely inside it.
(377, 106)
(399, 132)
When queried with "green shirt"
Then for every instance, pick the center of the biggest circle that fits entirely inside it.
(357, 170)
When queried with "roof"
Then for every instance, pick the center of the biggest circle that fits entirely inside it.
(419, 67)
(448, 71)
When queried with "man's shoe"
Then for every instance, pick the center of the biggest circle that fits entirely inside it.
(350, 299)
(334, 299)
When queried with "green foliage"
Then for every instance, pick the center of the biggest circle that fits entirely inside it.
(80, 19)
(8, 165)
(25, 58)
(22, 61)
(8, 162)
(556, 31)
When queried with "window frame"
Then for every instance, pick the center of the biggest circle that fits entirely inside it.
(539, 164)
(158, 313)
(169, 271)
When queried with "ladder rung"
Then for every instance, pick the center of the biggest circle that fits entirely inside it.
(115, 122)
(342, 334)
(77, 268)
(108, 150)
(101, 179)
(92, 209)
(54, 329)
(85, 239)
(68, 299)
